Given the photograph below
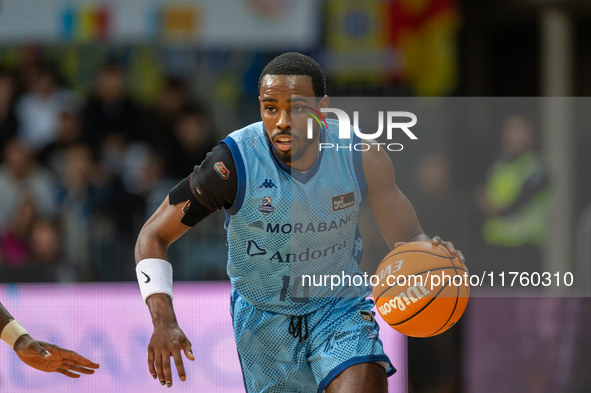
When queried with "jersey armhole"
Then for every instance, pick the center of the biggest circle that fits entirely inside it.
(358, 166)
(241, 175)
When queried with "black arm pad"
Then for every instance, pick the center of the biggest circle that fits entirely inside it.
(212, 186)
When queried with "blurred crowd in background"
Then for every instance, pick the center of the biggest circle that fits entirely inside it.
(80, 174)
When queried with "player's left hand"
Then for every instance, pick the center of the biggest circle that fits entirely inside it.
(51, 358)
(437, 241)
(450, 247)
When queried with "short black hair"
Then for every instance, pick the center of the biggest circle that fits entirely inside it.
(293, 63)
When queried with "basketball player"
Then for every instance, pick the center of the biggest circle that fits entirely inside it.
(290, 210)
(41, 355)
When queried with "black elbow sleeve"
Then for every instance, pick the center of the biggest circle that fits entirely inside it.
(193, 210)
(212, 186)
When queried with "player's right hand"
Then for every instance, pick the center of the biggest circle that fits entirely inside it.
(168, 340)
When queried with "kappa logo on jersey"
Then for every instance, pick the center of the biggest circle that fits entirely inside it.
(253, 249)
(366, 316)
(221, 170)
(342, 201)
(268, 183)
(266, 208)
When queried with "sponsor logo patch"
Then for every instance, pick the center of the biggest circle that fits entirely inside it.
(266, 208)
(342, 201)
(221, 170)
(366, 316)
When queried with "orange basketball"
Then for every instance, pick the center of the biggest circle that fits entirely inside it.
(422, 290)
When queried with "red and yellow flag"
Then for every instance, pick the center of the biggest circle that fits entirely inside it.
(424, 33)
(381, 41)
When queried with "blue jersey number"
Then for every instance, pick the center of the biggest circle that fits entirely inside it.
(297, 280)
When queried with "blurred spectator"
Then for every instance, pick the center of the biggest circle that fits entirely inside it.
(44, 242)
(46, 258)
(29, 58)
(69, 133)
(8, 121)
(191, 140)
(161, 120)
(85, 192)
(98, 217)
(443, 211)
(39, 108)
(514, 200)
(152, 184)
(111, 120)
(31, 249)
(21, 178)
(14, 237)
(152, 175)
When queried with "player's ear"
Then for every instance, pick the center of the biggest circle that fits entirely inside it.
(324, 102)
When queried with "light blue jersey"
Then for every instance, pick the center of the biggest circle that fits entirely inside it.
(285, 225)
(282, 226)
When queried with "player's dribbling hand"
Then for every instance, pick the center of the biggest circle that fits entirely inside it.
(51, 358)
(437, 241)
(168, 340)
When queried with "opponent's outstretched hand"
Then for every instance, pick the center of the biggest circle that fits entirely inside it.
(168, 340)
(51, 358)
(437, 241)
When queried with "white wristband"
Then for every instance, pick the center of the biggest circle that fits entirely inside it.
(11, 332)
(154, 276)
